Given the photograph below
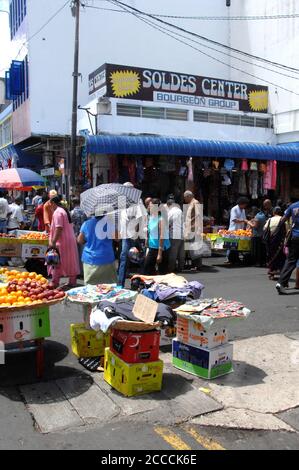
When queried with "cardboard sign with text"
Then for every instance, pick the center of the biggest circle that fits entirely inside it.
(145, 309)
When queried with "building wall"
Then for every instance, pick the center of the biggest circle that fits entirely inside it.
(276, 40)
(106, 37)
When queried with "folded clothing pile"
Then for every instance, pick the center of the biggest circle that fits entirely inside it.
(167, 288)
(107, 313)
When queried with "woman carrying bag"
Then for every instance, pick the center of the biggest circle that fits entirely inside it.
(62, 239)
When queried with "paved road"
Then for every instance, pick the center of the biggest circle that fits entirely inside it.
(19, 427)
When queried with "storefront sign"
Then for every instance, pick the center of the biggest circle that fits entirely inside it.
(48, 172)
(179, 89)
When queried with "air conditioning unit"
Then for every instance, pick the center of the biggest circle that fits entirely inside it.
(104, 105)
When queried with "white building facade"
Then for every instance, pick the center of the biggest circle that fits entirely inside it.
(43, 111)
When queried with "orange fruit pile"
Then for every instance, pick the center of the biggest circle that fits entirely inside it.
(34, 236)
(26, 289)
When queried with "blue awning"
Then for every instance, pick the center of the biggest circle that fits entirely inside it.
(149, 145)
(22, 159)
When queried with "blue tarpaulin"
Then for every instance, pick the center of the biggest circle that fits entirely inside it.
(152, 145)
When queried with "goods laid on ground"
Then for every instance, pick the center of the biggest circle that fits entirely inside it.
(131, 360)
(86, 342)
(131, 379)
(201, 347)
(204, 363)
(23, 244)
(93, 294)
(170, 289)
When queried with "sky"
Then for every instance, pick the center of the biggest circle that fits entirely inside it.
(4, 38)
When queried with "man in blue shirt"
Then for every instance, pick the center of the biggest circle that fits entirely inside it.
(293, 245)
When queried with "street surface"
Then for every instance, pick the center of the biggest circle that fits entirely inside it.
(255, 407)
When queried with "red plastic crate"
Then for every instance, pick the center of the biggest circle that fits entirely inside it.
(135, 347)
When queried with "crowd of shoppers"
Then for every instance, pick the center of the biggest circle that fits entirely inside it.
(163, 235)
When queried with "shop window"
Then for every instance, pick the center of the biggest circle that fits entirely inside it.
(217, 118)
(177, 114)
(247, 121)
(153, 112)
(260, 122)
(232, 119)
(128, 110)
(201, 116)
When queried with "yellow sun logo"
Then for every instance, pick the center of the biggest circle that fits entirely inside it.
(125, 83)
(258, 100)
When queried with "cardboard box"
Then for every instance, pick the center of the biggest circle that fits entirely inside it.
(133, 347)
(87, 342)
(132, 379)
(10, 248)
(33, 250)
(194, 333)
(24, 325)
(203, 363)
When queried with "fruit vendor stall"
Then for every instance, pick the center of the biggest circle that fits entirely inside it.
(23, 244)
(239, 240)
(25, 306)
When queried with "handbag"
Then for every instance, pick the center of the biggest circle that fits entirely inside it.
(52, 257)
(267, 233)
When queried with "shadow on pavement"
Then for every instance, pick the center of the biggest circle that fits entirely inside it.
(243, 375)
(20, 368)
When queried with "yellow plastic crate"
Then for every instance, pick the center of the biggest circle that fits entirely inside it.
(132, 379)
(88, 343)
(244, 245)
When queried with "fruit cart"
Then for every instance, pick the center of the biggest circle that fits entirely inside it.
(23, 244)
(25, 305)
(224, 240)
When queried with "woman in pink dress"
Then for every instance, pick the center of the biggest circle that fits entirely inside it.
(62, 237)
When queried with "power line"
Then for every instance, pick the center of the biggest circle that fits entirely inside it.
(219, 18)
(211, 48)
(142, 13)
(163, 30)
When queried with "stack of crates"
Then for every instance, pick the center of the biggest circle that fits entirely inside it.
(202, 352)
(132, 365)
(87, 342)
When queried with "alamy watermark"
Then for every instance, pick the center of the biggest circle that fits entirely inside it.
(136, 222)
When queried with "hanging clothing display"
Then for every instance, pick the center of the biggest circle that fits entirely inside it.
(253, 184)
(242, 184)
(270, 178)
(244, 165)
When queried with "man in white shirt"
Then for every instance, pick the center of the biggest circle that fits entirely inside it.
(4, 211)
(238, 219)
(16, 218)
(177, 250)
(131, 227)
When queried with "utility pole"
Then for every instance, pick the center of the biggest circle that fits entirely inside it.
(72, 167)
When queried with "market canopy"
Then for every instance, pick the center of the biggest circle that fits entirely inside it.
(152, 145)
